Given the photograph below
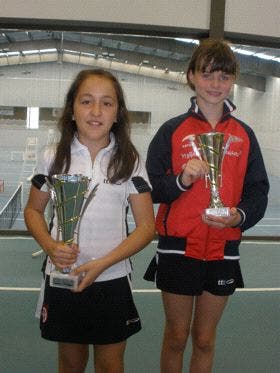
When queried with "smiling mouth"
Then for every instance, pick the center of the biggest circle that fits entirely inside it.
(216, 94)
(94, 123)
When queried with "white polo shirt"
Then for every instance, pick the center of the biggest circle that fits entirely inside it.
(103, 225)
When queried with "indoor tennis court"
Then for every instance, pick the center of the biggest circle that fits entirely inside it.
(43, 45)
(248, 336)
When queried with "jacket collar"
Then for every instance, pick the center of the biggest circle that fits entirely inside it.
(229, 107)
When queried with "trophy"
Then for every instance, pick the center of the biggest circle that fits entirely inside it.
(68, 197)
(210, 147)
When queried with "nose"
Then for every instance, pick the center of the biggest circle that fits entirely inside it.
(215, 82)
(95, 109)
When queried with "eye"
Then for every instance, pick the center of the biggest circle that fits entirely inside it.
(225, 77)
(85, 102)
(206, 75)
(107, 103)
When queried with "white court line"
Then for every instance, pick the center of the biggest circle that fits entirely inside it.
(3, 288)
(258, 289)
(241, 290)
(266, 225)
(255, 242)
(16, 238)
(144, 290)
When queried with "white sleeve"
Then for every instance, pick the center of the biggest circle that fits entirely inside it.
(44, 163)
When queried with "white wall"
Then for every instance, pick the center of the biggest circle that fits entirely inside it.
(256, 17)
(176, 13)
(47, 84)
(261, 111)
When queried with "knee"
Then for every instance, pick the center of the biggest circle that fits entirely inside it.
(114, 366)
(72, 363)
(176, 338)
(68, 365)
(203, 342)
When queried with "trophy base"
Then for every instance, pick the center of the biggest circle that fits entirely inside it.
(218, 211)
(64, 280)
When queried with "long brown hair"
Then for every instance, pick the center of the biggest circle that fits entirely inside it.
(125, 156)
(213, 53)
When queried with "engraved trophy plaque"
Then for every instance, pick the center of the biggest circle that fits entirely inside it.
(68, 197)
(210, 147)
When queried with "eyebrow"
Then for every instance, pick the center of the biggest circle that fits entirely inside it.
(90, 95)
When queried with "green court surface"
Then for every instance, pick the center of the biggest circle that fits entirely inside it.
(248, 336)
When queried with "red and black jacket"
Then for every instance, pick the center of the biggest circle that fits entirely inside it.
(244, 185)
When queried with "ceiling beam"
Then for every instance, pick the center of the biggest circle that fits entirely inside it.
(217, 19)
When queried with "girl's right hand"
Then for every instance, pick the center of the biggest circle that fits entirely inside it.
(193, 170)
(62, 255)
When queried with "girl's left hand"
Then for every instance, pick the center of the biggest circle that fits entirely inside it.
(89, 272)
(221, 222)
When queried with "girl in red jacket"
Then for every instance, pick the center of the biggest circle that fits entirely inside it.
(197, 260)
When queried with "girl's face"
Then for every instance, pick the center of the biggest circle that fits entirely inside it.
(95, 110)
(211, 88)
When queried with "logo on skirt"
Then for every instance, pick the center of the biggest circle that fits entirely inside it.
(132, 321)
(44, 314)
(226, 282)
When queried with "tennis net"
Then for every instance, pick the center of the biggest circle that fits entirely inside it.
(10, 211)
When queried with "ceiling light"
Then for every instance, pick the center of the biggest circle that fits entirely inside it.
(34, 51)
(70, 51)
(12, 53)
(186, 40)
(88, 54)
(243, 51)
(51, 50)
(264, 56)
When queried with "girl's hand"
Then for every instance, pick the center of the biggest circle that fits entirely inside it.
(89, 272)
(62, 255)
(193, 170)
(221, 222)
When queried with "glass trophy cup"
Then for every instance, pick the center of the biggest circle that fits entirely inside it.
(68, 197)
(211, 148)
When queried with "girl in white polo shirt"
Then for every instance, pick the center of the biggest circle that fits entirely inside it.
(95, 143)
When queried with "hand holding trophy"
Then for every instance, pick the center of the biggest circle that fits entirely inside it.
(210, 147)
(68, 196)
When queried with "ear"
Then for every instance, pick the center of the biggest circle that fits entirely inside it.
(190, 76)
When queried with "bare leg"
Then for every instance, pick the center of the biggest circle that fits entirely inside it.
(72, 358)
(178, 313)
(208, 311)
(109, 358)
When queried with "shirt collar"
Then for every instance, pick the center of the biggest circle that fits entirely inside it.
(79, 147)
